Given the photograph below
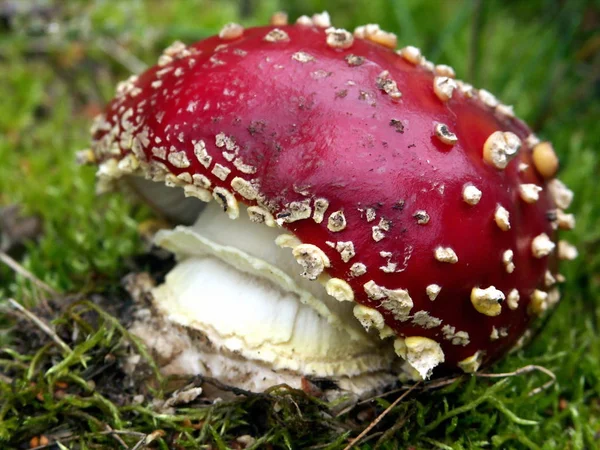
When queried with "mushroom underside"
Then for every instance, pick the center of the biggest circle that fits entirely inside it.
(236, 308)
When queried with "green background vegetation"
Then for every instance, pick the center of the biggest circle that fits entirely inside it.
(59, 63)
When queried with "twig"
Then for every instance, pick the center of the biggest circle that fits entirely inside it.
(522, 370)
(143, 442)
(379, 418)
(224, 387)
(41, 325)
(113, 49)
(389, 432)
(18, 268)
(116, 436)
(441, 383)
(425, 387)
(378, 434)
(139, 444)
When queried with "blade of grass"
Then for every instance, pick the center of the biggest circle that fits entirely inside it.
(446, 35)
(405, 29)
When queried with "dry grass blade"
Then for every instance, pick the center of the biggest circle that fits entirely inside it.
(425, 387)
(121, 55)
(148, 439)
(379, 418)
(235, 390)
(475, 41)
(18, 268)
(5, 379)
(521, 371)
(40, 324)
(139, 444)
(116, 437)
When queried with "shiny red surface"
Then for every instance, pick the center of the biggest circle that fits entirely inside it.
(323, 127)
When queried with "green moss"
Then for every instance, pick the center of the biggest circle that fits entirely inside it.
(55, 73)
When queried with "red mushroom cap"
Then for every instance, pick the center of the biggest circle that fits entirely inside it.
(424, 196)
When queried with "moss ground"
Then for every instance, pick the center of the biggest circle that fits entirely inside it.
(60, 61)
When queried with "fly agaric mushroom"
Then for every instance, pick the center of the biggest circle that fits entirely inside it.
(422, 213)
